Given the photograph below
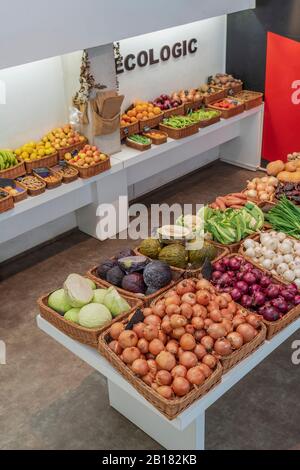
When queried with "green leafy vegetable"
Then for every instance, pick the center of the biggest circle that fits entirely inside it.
(285, 217)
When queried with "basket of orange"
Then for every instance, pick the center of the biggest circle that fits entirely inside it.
(146, 114)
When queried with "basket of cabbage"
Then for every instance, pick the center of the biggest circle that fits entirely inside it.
(82, 311)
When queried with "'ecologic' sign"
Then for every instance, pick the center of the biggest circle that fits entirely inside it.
(150, 57)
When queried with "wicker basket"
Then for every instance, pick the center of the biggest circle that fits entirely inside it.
(209, 122)
(232, 90)
(66, 178)
(71, 148)
(237, 356)
(87, 336)
(156, 140)
(14, 171)
(275, 327)
(256, 238)
(228, 113)
(169, 408)
(256, 98)
(21, 195)
(192, 105)
(137, 145)
(179, 111)
(45, 162)
(50, 184)
(147, 299)
(219, 94)
(150, 123)
(193, 273)
(32, 192)
(126, 131)
(92, 170)
(6, 203)
(180, 133)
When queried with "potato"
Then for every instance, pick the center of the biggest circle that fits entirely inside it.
(290, 166)
(276, 167)
(289, 177)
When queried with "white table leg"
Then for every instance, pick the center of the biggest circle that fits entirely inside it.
(245, 150)
(161, 430)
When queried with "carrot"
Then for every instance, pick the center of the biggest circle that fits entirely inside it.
(236, 206)
(214, 205)
(239, 195)
(230, 200)
(221, 203)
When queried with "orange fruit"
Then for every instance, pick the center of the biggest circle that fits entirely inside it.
(145, 113)
(151, 115)
(144, 118)
(130, 113)
(145, 107)
(156, 110)
(123, 123)
(139, 108)
(133, 119)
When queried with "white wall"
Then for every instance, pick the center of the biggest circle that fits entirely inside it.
(34, 29)
(35, 101)
(185, 72)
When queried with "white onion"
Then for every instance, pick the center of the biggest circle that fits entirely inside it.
(278, 260)
(289, 275)
(250, 252)
(282, 268)
(258, 251)
(286, 247)
(297, 273)
(297, 282)
(267, 264)
(281, 236)
(249, 243)
(288, 258)
(270, 254)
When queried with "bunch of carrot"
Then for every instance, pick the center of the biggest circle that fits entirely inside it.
(232, 201)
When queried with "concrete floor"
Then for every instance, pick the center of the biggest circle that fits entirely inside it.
(49, 399)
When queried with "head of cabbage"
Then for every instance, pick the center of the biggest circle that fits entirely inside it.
(73, 315)
(115, 303)
(59, 301)
(94, 316)
(99, 295)
(78, 291)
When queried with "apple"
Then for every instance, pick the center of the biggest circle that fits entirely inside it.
(94, 148)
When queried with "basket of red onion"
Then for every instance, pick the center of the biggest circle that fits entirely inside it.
(256, 290)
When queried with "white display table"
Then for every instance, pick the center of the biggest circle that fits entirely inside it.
(187, 431)
(236, 140)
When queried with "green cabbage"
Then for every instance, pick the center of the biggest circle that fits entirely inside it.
(99, 295)
(59, 301)
(78, 291)
(115, 303)
(91, 283)
(94, 316)
(73, 315)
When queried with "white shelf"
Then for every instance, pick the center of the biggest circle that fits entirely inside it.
(130, 156)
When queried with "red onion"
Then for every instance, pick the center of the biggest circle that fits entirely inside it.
(280, 304)
(225, 280)
(247, 267)
(218, 266)
(265, 281)
(239, 276)
(246, 301)
(288, 295)
(231, 274)
(259, 299)
(297, 300)
(236, 294)
(257, 273)
(216, 275)
(242, 286)
(254, 288)
(271, 314)
(292, 287)
(249, 277)
(226, 262)
(273, 291)
(235, 263)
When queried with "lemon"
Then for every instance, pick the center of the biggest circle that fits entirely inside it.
(25, 155)
(18, 152)
(41, 152)
(47, 145)
(34, 156)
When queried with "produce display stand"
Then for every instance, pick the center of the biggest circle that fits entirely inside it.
(187, 431)
(236, 141)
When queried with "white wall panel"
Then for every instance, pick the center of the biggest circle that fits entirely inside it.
(37, 29)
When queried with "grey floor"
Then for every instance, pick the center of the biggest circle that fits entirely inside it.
(49, 399)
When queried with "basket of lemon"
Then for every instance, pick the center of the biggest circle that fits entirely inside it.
(37, 154)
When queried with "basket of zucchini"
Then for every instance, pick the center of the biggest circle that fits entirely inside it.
(139, 142)
(178, 127)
